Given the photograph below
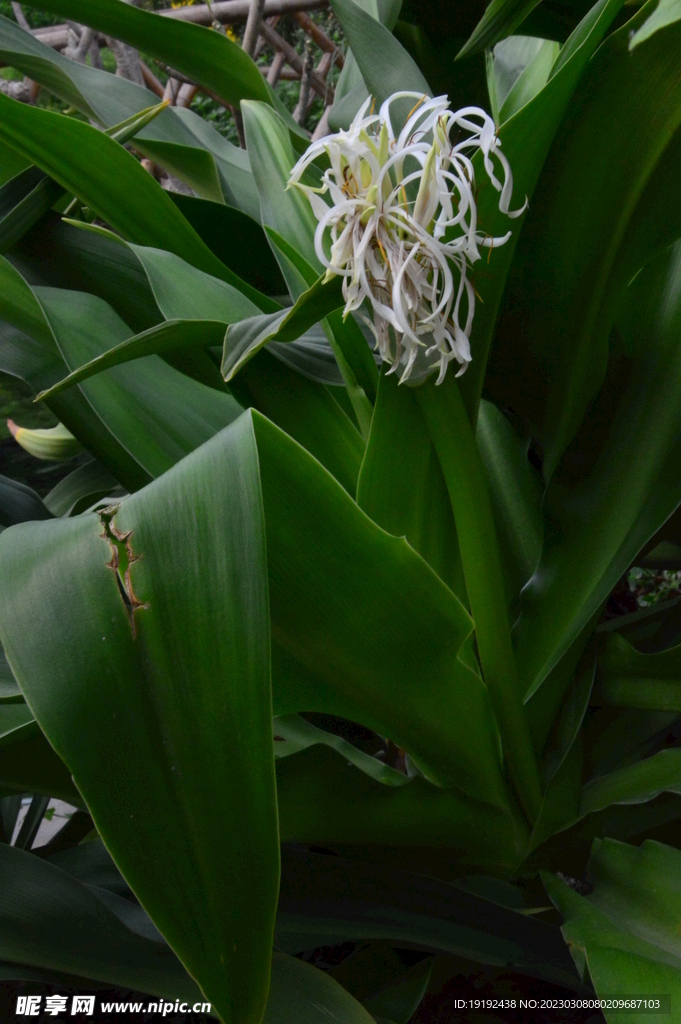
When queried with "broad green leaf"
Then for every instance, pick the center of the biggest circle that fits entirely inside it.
(665, 13)
(167, 337)
(84, 485)
(285, 209)
(515, 490)
(23, 201)
(9, 688)
(51, 443)
(306, 411)
(634, 680)
(637, 783)
(236, 239)
(328, 899)
(563, 757)
(28, 764)
(531, 81)
(401, 486)
(605, 501)
(346, 627)
(501, 19)
(245, 339)
(303, 409)
(589, 211)
(347, 340)
(505, 64)
(146, 417)
(50, 920)
(107, 179)
(205, 749)
(385, 65)
(447, 419)
(400, 1001)
(62, 255)
(526, 139)
(626, 932)
(301, 994)
(18, 503)
(207, 57)
(156, 413)
(293, 734)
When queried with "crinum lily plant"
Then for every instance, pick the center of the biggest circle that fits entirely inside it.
(408, 258)
(335, 668)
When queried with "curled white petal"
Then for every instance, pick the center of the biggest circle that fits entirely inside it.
(397, 220)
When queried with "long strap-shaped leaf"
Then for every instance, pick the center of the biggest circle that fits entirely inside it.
(161, 707)
(454, 442)
(209, 58)
(526, 139)
(109, 180)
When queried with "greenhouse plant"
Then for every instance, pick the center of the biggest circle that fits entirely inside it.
(321, 636)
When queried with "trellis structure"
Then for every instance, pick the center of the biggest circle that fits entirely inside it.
(78, 42)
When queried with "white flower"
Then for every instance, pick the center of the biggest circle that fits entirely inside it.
(402, 222)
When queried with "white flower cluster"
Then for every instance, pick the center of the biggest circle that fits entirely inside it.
(408, 257)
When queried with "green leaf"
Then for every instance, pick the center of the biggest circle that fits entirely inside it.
(167, 337)
(80, 489)
(243, 340)
(587, 203)
(306, 411)
(400, 1001)
(515, 490)
(452, 435)
(236, 239)
(205, 749)
(107, 179)
(563, 757)
(9, 688)
(301, 994)
(385, 65)
(293, 734)
(626, 931)
(285, 209)
(19, 503)
(358, 642)
(526, 139)
(325, 900)
(19, 212)
(145, 417)
(532, 79)
(665, 13)
(501, 19)
(401, 486)
(52, 921)
(638, 783)
(207, 57)
(633, 680)
(605, 501)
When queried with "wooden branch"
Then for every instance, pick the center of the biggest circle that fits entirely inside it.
(305, 80)
(252, 30)
(275, 69)
(294, 60)
(20, 16)
(151, 81)
(320, 38)
(227, 12)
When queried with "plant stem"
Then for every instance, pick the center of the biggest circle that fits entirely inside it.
(452, 434)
